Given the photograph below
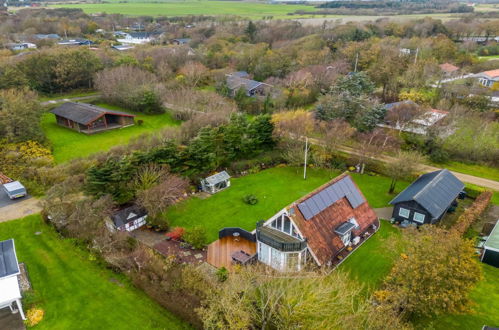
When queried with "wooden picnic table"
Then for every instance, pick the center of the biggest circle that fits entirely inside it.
(240, 257)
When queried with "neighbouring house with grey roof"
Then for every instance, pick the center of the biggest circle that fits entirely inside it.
(240, 80)
(10, 291)
(490, 254)
(216, 182)
(181, 41)
(89, 119)
(130, 218)
(427, 199)
(52, 36)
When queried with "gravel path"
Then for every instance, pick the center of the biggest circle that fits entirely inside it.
(20, 210)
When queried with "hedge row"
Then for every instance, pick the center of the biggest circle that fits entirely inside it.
(473, 212)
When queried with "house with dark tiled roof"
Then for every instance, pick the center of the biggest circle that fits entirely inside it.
(241, 80)
(323, 227)
(89, 119)
(130, 218)
(427, 199)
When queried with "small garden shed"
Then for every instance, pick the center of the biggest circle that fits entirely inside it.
(216, 182)
(491, 247)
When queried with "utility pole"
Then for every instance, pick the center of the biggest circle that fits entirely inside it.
(416, 57)
(306, 154)
(356, 62)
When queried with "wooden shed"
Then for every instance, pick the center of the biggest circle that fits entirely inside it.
(89, 119)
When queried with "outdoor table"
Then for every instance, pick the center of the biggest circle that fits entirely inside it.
(240, 257)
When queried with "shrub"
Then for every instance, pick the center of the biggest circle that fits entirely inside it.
(195, 236)
(222, 274)
(473, 212)
(250, 199)
(34, 316)
(176, 233)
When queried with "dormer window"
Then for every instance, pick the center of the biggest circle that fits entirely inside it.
(345, 232)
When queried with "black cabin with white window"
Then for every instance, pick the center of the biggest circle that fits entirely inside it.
(130, 218)
(428, 198)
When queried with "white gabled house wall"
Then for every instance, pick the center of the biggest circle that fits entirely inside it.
(137, 223)
(279, 260)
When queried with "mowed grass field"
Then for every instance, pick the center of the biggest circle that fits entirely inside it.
(68, 144)
(275, 188)
(253, 10)
(76, 292)
(246, 9)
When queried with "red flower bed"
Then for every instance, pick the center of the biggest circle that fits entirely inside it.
(176, 233)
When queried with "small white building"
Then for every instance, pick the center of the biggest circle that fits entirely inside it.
(129, 219)
(216, 182)
(488, 78)
(136, 38)
(10, 292)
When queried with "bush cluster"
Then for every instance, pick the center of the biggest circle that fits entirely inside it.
(473, 212)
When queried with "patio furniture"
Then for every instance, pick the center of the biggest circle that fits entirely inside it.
(240, 257)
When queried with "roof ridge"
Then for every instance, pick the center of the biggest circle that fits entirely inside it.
(320, 188)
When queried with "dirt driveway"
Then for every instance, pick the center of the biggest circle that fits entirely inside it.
(20, 209)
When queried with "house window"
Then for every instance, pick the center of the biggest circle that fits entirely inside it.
(404, 213)
(419, 217)
(264, 254)
(279, 223)
(293, 261)
(287, 226)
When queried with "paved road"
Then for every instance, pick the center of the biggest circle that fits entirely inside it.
(482, 182)
(72, 99)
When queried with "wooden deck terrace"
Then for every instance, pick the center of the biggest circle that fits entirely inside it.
(220, 251)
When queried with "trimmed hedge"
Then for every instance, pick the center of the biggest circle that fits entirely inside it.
(473, 212)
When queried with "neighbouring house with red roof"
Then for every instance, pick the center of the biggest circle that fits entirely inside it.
(324, 227)
(488, 78)
(448, 69)
(321, 228)
(89, 119)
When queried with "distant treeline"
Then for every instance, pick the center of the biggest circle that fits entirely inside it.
(396, 7)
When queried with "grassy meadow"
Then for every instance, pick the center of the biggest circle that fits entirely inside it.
(275, 188)
(245, 9)
(74, 290)
(68, 144)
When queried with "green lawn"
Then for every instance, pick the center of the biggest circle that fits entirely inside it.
(275, 188)
(482, 171)
(75, 292)
(372, 261)
(68, 144)
(253, 10)
(247, 9)
(485, 297)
